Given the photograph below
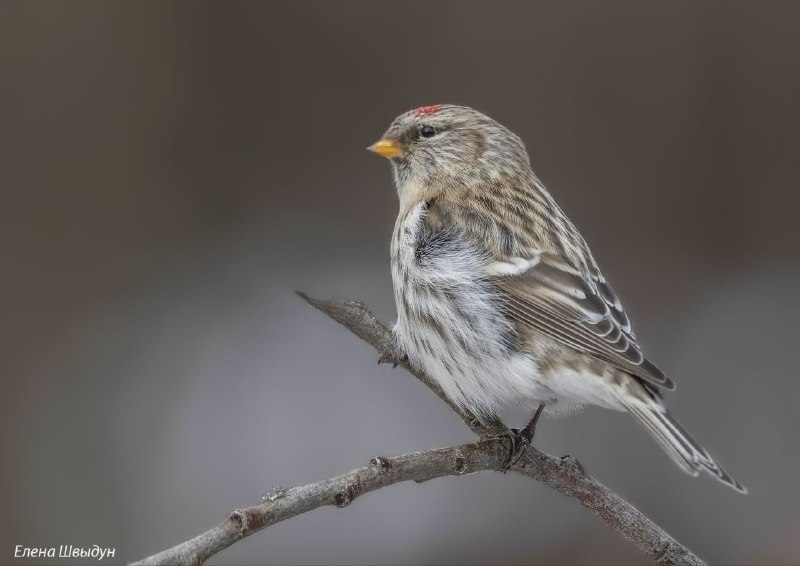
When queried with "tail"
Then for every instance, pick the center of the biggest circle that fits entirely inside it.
(679, 444)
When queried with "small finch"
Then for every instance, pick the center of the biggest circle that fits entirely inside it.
(498, 296)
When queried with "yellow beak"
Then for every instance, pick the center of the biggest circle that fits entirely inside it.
(388, 148)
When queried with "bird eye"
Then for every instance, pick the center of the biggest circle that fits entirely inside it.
(427, 131)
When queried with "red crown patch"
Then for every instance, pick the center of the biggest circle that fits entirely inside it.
(427, 110)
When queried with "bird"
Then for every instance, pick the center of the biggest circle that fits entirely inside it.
(499, 299)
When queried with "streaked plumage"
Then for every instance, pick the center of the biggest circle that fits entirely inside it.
(498, 296)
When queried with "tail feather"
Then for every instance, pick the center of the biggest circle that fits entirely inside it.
(678, 443)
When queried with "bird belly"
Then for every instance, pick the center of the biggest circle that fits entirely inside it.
(466, 351)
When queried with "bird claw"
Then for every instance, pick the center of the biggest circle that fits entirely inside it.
(392, 356)
(521, 444)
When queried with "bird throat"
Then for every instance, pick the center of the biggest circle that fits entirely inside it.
(412, 191)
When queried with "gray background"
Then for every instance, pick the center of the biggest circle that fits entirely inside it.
(171, 172)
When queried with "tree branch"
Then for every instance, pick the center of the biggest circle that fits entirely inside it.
(491, 453)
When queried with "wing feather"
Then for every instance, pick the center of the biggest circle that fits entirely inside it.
(578, 310)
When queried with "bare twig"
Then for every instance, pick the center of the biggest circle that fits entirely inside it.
(491, 453)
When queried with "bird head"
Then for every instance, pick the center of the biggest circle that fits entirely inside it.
(445, 147)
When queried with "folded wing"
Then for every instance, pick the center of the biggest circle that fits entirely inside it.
(577, 309)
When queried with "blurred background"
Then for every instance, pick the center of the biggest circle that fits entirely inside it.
(172, 172)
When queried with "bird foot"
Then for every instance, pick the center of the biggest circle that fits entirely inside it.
(520, 439)
(517, 442)
(392, 355)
